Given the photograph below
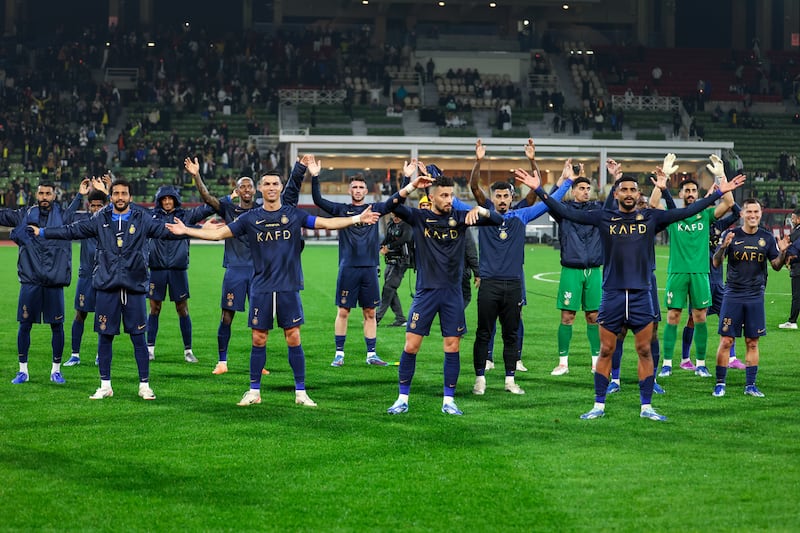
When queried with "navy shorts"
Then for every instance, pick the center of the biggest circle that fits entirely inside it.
(266, 306)
(358, 285)
(38, 304)
(626, 307)
(235, 288)
(85, 296)
(176, 280)
(448, 303)
(654, 296)
(114, 308)
(717, 292)
(737, 315)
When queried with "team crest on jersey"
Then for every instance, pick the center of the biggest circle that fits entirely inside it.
(132, 229)
(725, 328)
(567, 297)
(762, 242)
(102, 319)
(81, 300)
(639, 216)
(229, 297)
(451, 222)
(255, 321)
(503, 234)
(343, 300)
(284, 220)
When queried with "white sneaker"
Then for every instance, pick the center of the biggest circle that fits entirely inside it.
(102, 393)
(251, 397)
(513, 388)
(560, 370)
(489, 364)
(480, 385)
(189, 357)
(301, 398)
(146, 393)
(788, 325)
(151, 352)
(520, 366)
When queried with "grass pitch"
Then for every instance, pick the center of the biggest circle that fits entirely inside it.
(193, 460)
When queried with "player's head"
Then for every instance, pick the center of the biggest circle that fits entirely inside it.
(424, 202)
(358, 189)
(441, 195)
(121, 195)
(270, 186)
(751, 213)
(97, 200)
(168, 198)
(502, 195)
(581, 189)
(45, 194)
(246, 189)
(689, 191)
(641, 203)
(796, 217)
(627, 193)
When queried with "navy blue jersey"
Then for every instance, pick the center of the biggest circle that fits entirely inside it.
(275, 240)
(237, 250)
(628, 239)
(748, 258)
(174, 254)
(88, 252)
(502, 248)
(122, 246)
(715, 274)
(439, 241)
(48, 264)
(359, 245)
(580, 243)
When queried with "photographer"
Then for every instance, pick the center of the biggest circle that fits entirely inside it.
(398, 251)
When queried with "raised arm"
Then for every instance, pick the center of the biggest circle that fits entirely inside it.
(314, 168)
(193, 168)
(530, 153)
(527, 214)
(659, 186)
(668, 217)
(719, 253)
(717, 168)
(291, 193)
(780, 259)
(368, 216)
(556, 207)
(474, 176)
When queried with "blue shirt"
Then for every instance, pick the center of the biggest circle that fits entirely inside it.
(275, 239)
(628, 239)
(237, 250)
(748, 256)
(439, 241)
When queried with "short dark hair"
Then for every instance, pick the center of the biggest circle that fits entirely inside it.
(46, 183)
(97, 195)
(120, 181)
(582, 179)
(443, 181)
(686, 182)
(502, 185)
(753, 201)
(796, 211)
(271, 173)
(626, 178)
(357, 177)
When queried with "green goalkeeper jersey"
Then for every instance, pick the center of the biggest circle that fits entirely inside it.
(688, 243)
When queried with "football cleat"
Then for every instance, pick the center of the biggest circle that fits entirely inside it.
(658, 389)
(375, 360)
(301, 398)
(489, 364)
(752, 390)
(220, 368)
(73, 361)
(594, 413)
(146, 393)
(612, 388)
(398, 407)
(652, 415)
(513, 388)
(451, 408)
(56, 377)
(686, 364)
(338, 361)
(719, 390)
(102, 393)
(189, 357)
(480, 385)
(520, 366)
(665, 371)
(21, 377)
(736, 364)
(788, 325)
(702, 372)
(251, 397)
(560, 370)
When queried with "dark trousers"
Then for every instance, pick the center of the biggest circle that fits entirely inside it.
(392, 279)
(795, 299)
(498, 299)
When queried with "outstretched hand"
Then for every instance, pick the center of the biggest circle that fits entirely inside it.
(314, 166)
(177, 227)
(716, 167)
(729, 185)
(530, 150)
(368, 216)
(521, 175)
(472, 216)
(669, 167)
(84, 187)
(660, 180)
(480, 150)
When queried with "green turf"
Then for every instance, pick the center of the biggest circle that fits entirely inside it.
(193, 460)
